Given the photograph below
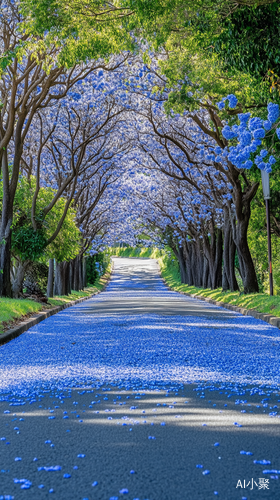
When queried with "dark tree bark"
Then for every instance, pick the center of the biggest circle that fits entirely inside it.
(59, 282)
(193, 264)
(71, 274)
(196, 264)
(200, 263)
(5, 231)
(55, 289)
(241, 266)
(81, 276)
(188, 251)
(19, 277)
(76, 274)
(5, 267)
(67, 279)
(180, 257)
(213, 250)
(70, 278)
(50, 278)
(229, 279)
(219, 259)
(206, 274)
(209, 282)
(247, 268)
(85, 272)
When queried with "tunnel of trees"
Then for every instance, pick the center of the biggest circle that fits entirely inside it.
(146, 123)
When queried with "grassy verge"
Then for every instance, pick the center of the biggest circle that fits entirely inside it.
(14, 310)
(151, 253)
(260, 302)
(64, 299)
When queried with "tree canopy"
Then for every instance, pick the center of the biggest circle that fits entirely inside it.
(137, 120)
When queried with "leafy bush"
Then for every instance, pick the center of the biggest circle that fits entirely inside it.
(36, 278)
(96, 266)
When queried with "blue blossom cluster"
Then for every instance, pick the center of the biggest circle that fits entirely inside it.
(249, 134)
(232, 101)
(273, 112)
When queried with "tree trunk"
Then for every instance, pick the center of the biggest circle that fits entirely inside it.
(185, 255)
(193, 264)
(50, 278)
(247, 268)
(218, 261)
(62, 278)
(209, 281)
(197, 264)
(59, 282)
(55, 288)
(188, 262)
(81, 278)
(76, 274)
(19, 277)
(200, 263)
(69, 278)
(229, 281)
(5, 265)
(71, 275)
(206, 274)
(5, 231)
(180, 257)
(213, 251)
(66, 271)
(85, 272)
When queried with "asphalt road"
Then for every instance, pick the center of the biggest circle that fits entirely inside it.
(141, 394)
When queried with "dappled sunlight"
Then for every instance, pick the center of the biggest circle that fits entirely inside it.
(142, 346)
(153, 408)
(195, 418)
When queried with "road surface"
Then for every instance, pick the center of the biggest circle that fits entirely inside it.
(141, 393)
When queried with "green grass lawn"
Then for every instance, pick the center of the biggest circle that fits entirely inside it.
(14, 309)
(11, 309)
(260, 302)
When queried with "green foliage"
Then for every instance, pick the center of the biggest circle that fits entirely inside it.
(257, 239)
(249, 41)
(189, 30)
(31, 244)
(26, 242)
(96, 265)
(82, 29)
(204, 80)
(215, 48)
(257, 233)
(92, 272)
(36, 278)
(67, 243)
(194, 70)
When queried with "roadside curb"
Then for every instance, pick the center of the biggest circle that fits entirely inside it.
(268, 318)
(40, 316)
